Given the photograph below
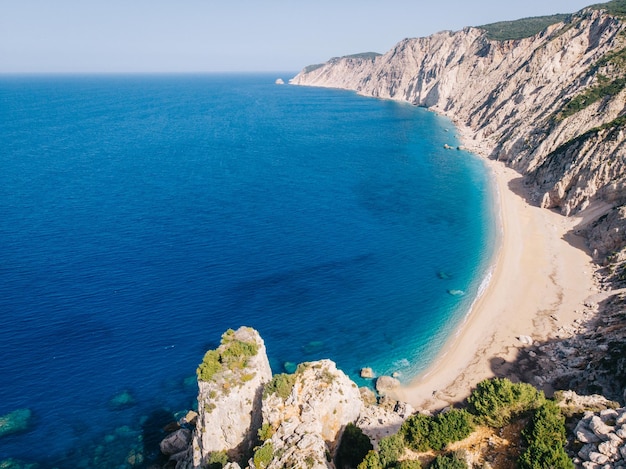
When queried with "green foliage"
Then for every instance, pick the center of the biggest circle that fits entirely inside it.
(390, 448)
(409, 464)
(448, 461)
(603, 89)
(371, 461)
(281, 384)
(353, 448)
(363, 55)
(216, 460)
(422, 433)
(263, 455)
(454, 425)
(545, 437)
(522, 28)
(265, 432)
(415, 432)
(209, 366)
(495, 401)
(231, 354)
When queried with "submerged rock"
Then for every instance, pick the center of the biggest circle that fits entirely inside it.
(15, 422)
(122, 400)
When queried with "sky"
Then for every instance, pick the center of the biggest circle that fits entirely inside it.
(178, 36)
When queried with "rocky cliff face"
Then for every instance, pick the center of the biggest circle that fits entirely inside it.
(553, 106)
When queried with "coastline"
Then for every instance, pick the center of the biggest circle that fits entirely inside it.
(539, 282)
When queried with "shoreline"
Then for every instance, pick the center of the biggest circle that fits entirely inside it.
(539, 282)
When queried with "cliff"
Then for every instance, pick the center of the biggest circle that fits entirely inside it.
(552, 106)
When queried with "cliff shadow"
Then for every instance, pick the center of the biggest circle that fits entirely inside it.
(519, 187)
(153, 430)
(588, 358)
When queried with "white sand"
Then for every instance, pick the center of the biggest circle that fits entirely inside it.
(538, 276)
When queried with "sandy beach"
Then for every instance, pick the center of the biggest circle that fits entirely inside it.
(540, 280)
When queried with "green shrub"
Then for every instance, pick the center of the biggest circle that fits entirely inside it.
(265, 432)
(422, 433)
(371, 461)
(409, 464)
(353, 448)
(209, 366)
(281, 384)
(231, 354)
(495, 401)
(545, 437)
(448, 461)
(415, 432)
(603, 89)
(216, 460)
(390, 448)
(263, 455)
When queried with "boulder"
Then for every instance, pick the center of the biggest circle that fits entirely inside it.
(367, 373)
(176, 442)
(601, 429)
(598, 458)
(386, 384)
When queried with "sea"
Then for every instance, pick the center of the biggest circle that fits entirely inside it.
(141, 216)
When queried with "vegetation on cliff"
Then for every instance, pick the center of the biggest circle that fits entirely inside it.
(615, 7)
(232, 354)
(522, 28)
(496, 404)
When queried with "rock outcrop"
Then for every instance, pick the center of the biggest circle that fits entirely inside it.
(307, 415)
(551, 106)
(230, 381)
(248, 417)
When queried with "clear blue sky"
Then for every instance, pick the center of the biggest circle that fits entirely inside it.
(228, 35)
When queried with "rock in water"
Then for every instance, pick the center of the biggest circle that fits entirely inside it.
(385, 384)
(176, 442)
(367, 373)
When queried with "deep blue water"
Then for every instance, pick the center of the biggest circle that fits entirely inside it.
(142, 216)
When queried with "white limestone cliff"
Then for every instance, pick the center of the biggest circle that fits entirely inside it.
(229, 398)
(514, 96)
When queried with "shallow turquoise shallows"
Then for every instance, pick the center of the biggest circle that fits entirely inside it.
(142, 216)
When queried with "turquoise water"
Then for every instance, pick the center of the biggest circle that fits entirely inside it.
(141, 216)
